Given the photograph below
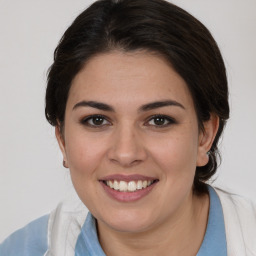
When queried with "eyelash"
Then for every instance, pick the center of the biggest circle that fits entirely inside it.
(168, 119)
(85, 121)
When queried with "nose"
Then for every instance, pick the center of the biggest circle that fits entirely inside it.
(127, 148)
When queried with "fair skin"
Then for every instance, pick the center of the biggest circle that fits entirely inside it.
(113, 132)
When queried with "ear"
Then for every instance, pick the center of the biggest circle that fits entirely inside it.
(61, 142)
(206, 139)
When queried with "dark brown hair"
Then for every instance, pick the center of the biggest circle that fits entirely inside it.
(155, 26)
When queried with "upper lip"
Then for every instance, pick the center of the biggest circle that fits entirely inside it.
(127, 178)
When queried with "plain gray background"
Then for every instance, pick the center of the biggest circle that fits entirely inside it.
(32, 179)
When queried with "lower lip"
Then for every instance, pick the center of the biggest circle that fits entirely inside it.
(128, 196)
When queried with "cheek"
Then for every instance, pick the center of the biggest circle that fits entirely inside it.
(177, 154)
(84, 153)
(84, 156)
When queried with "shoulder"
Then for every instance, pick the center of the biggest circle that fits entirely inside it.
(28, 241)
(242, 205)
(53, 234)
(240, 221)
(65, 224)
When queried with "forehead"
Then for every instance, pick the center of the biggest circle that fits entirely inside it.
(132, 78)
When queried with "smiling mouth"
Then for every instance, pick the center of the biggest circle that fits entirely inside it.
(131, 186)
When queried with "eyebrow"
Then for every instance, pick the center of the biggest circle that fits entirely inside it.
(94, 104)
(160, 104)
(143, 108)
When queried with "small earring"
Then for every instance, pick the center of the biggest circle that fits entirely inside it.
(64, 164)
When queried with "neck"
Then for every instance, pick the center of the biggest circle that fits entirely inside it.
(182, 234)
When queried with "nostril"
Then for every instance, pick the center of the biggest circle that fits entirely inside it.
(125, 162)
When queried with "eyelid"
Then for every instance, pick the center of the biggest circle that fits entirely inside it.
(170, 120)
(84, 120)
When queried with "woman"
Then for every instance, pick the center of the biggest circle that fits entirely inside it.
(138, 97)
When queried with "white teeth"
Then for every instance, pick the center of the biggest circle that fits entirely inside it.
(123, 186)
(144, 184)
(139, 184)
(111, 184)
(130, 186)
(116, 185)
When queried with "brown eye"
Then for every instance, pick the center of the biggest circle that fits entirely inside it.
(95, 121)
(160, 120)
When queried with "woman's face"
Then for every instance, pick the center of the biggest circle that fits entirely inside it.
(130, 123)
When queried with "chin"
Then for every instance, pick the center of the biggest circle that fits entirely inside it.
(129, 221)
